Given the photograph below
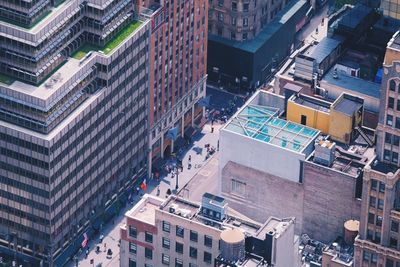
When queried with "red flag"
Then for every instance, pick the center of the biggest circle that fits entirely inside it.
(85, 240)
(144, 185)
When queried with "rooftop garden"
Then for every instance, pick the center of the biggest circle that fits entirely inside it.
(120, 37)
(83, 50)
(6, 79)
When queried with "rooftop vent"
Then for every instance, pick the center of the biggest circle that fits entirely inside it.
(324, 152)
(213, 207)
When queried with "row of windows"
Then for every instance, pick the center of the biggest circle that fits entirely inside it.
(376, 203)
(166, 260)
(180, 232)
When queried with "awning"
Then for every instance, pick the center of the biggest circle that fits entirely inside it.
(189, 132)
(179, 142)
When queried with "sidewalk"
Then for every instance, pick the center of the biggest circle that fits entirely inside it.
(111, 231)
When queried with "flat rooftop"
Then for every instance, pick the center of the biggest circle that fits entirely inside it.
(383, 167)
(145, 210)
(262, 123)
(191, 211)
(312, 102)
(352, 83)
(275, 225)
(347, 106)
(323, 49)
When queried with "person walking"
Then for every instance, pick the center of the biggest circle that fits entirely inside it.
(158, 190)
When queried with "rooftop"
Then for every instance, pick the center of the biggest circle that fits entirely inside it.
(383, 167)
(145, 210)
(394, 43)
(191, 211)
(352, 83)
(347, 106)
(275, 226)
(312, 102)
(261, 122)
(323, 49)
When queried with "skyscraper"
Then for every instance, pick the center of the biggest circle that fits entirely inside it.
(378, 241)
(73, 120)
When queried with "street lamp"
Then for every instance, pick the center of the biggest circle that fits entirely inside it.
(177, 179)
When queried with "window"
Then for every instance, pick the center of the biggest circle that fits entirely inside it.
(392, 85)
(132, 231)
(245, 22)
(373, 258)
(132, 263)
(238, 187)
(379, 220)
(207, 257)
(180, 231)
(166, 226)
(165, 259)
(396, 140)
(394, 226)
(386, 154)
(220, 3)
(381, 187)
(233, 35)
(246, 7)
(208, 241)
(193, 252)
(377, 237)
(166, 243)
(380, 204)
(179, 248)
(193, 236)
(234, 6)
(371, 218)
(192, 265)
(372, 201)
(389, 263)
(148, 265)
(397, 123)
(366, 256)
(148, 237)
(178, 262)
(388, 137)
(389, 120)
(132, 247)
(244, 36)
(374, 185)
(148, 253)
(393, 242)
(233, 21)
(220, 16)
(370, 234)
(395, 157)
(390, 102)
(398, 105)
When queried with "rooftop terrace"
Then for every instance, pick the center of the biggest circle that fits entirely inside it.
(262, 123)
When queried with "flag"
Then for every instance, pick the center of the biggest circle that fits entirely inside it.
(85, 240)
(172, 133)
(204, 102)
(143, 185)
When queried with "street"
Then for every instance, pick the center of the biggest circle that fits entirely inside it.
(193, 182)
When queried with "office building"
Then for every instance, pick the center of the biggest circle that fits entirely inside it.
(178, 60)
(73, 121)
(245, 47)
(182, 233)
(378, 241)
(242, 20)
(261, 153)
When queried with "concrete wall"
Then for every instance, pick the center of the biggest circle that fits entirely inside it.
(265, 194)
(259, 155)
(284, 246)
(329, 201)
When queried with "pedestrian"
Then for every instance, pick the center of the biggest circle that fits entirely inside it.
(212, 129)
(190, 158)
(105, 246)
(137, 190)
(158, 190)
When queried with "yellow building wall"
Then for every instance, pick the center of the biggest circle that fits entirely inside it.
(315, 119)
(340, 127)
